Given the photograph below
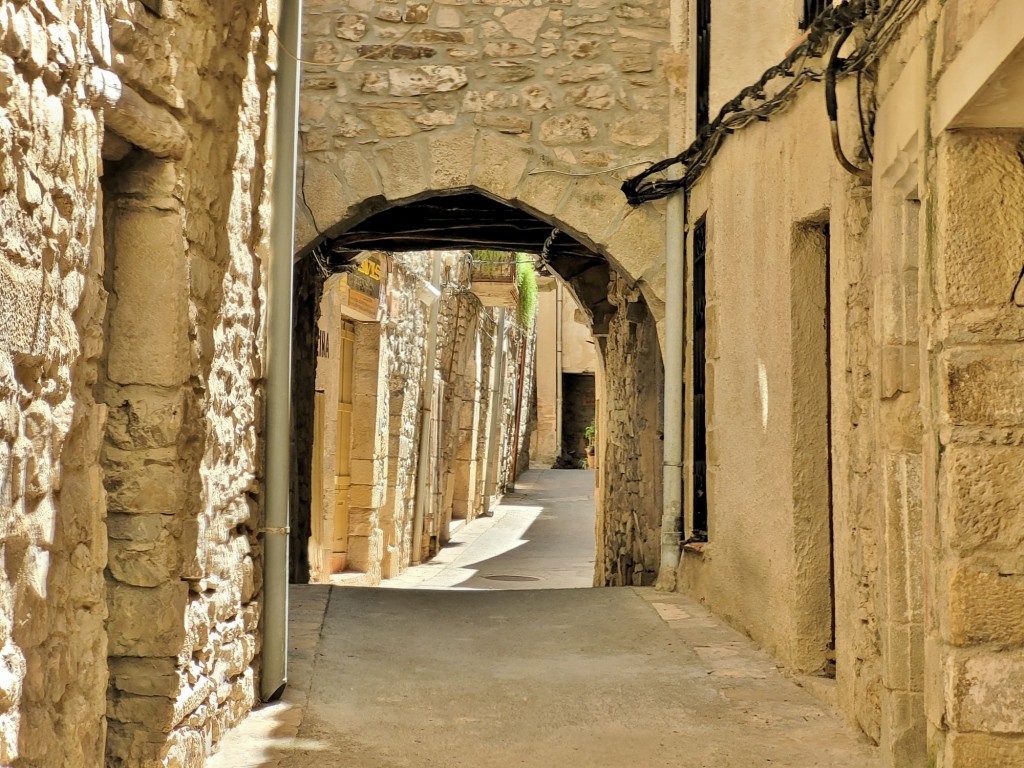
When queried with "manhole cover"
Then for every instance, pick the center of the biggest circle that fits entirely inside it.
(511, 577)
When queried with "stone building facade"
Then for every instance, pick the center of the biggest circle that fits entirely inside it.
(357, 507)
(544, 108)
(133, 149)
(854, 359)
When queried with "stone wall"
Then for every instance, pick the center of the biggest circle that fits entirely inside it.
(576, 78)
(54, 543)
(629, 446)
(185, 239)
(130, 351)
(388, 417)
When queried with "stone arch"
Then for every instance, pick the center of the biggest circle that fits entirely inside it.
(339, 190)
(622, 290)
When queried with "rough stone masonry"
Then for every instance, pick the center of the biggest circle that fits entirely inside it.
(131, 281)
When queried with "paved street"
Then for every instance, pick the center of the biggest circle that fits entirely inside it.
(488, 678)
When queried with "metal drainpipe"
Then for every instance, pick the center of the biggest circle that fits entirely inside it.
(274, 673)
(675, 315)
(497, 382)
(559, 293)
(672, 481)
(423, 461)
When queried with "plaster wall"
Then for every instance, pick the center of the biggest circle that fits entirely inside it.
(921, 448)
(578, 355)
(744, 43)
(758, 569)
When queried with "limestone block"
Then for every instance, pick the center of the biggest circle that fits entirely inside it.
(537, 98)
(144, 481)
(402, 169)
(977, 231)
(638, 130)
(981, 750)
(149, 322)
(426, 79)
(141, 557)
(499, 164)
(986, 692)
(638, 243)
(351, 26)
(524, 23)
(591, 96)
(570, 128)
(543, 192)
(983, 388)
(325, 194)
(986, 606)
(390, 124)
(986, 486)
(146, 677)
(145, 418)
(592, 208)
(146, 621)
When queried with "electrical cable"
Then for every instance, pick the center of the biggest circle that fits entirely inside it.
(865, 128)
(832, 108)
(755, 103)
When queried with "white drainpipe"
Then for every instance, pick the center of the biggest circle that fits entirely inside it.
(675, 316)
(423, 462)
(274, 672)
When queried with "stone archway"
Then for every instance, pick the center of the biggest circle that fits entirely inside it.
(620, 285)
(337, 193)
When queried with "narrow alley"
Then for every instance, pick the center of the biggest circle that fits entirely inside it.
(457, 669)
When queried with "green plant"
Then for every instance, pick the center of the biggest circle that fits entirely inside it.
(489, 263)
(590, 433)
(526, 281)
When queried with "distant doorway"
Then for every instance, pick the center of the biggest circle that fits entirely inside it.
(579, 409)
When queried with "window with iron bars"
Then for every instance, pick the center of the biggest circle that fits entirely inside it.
(703, 63)
(699, 482)
(812, 10)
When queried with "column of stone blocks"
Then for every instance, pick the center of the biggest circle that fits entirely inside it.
(974, 529)
(369, 452)
(146, 473)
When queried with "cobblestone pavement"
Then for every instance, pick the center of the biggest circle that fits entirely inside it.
(383, 678)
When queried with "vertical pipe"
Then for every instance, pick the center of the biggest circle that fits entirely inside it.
(559, 289)
(274, 673)
(675, 296)
(427, 400)
(497, 381)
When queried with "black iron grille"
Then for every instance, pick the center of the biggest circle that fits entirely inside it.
(703, 62)
(812, 10)
(700, 431)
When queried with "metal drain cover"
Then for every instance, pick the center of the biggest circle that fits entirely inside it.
(511, 577)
